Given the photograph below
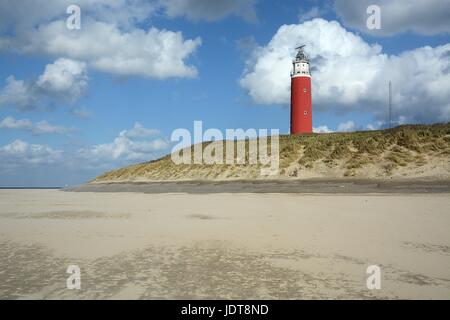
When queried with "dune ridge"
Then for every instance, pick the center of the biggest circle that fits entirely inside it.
(408, 151)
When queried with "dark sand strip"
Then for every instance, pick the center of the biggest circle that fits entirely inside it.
(344, 186)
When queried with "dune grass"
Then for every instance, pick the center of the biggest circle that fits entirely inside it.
(406, 147)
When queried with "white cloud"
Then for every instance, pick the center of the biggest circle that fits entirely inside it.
(81, 112)
(422, 17)
(43, 127)
(20, 153)
(124, 13)
(38, 128)
(313, 12)
(139, 131)
(210, 10)
(126, 147)
(31, 13)
(130, 146)
(371, 127)
(64, 80)
(346, 126)
(109, 40)
(11, 123)
(17, 93)
(153, 53)
(349, 74)
(322, 129)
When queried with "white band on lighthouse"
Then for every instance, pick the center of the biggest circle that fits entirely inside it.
(300, 75)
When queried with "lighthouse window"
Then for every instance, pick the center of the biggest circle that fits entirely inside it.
(305, 90)
(305, 113)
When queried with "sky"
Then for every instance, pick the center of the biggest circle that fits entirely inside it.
(76, 102)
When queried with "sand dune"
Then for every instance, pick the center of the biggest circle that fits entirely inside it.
(410, 151)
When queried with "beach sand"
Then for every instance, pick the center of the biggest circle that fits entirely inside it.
(223, 245)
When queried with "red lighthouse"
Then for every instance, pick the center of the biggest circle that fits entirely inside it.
(301, 102)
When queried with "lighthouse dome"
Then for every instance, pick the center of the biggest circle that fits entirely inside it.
(302, 56)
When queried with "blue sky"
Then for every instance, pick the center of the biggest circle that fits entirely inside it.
(84, 115)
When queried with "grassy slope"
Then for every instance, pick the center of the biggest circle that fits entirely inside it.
(405, 151)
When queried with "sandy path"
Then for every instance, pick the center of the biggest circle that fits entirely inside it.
(250, 246)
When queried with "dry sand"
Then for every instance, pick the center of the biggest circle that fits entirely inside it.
(243, 246)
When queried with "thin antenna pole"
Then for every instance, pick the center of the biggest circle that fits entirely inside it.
(390, 105)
